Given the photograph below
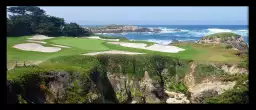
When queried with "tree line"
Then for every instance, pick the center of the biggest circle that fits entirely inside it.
(29, 20)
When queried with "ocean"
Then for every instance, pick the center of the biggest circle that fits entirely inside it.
(184, 33)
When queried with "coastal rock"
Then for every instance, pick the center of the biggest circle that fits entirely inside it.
(235, 40)
(120, 29)
(181, 42)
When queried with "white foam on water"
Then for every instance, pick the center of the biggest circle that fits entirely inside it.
(216, 30)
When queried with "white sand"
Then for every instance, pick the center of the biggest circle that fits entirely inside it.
(97, 37)
(42, 42)
(40, 37)
(62, 46)
(36, 47)
(113, 52)
(155, 47)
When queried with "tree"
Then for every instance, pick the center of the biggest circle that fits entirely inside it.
(27, 20)
(74, 29)
(19, 26)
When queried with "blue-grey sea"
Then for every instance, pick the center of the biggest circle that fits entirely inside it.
(184, 33)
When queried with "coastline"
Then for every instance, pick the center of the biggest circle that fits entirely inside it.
(169, 33)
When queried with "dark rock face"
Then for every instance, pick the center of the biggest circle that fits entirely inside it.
(127, 90)
(179, 42)
(11, 95)
(204, 95)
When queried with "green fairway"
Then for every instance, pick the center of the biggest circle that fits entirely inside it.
(208, 52)
(197, 52)
(78, 46)
(80, 43)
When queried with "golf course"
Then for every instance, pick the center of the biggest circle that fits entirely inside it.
(50, 61)
(83, 45)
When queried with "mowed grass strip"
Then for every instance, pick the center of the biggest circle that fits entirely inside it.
(80, 43)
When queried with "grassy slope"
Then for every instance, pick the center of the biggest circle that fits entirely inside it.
(222, 35)
(208, 52)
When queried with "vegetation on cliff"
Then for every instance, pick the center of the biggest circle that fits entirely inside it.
(87, 79)
(222, 35)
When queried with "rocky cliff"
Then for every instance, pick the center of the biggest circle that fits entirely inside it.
(115, 79)
(234, 40)
(120, 29)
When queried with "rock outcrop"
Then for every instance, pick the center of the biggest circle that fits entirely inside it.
(234, 69)
(120, 29)
(176, 98)
(209, 89)
(133, 90)
(234, 40)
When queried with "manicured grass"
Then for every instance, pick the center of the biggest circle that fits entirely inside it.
(197, 52)
(209, 52)
(14, 54)
(79, 46)
(80, 43)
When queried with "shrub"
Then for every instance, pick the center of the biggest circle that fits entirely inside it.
(204, 70)
(228, 46)
(178, 87)
(238, 95)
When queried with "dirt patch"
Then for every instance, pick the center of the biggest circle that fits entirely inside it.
(113, 52)
(209, 89)
(36, 47)
(13, 64)
(234, 70)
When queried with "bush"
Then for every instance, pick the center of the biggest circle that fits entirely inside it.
(178, 87)
(204, 70)
(228, 46)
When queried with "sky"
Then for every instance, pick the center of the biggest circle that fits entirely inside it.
(90, 15)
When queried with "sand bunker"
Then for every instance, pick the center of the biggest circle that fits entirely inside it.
(36, 47)
(40, 37)
(62, 46)
(97, 37)
(155, 47)
(42, 42)
(113, 52)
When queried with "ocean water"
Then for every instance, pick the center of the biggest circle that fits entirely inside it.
(185, 33)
